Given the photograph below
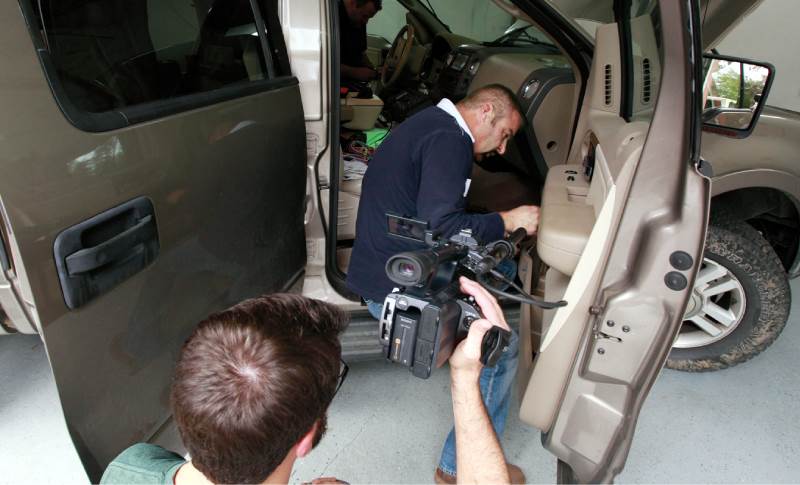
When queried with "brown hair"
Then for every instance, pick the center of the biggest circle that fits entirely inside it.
(252, 380)
(500, 97)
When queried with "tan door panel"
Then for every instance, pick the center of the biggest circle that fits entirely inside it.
(553, 123)
(642, 204)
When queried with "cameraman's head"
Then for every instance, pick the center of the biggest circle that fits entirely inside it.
(253, 384)
(493, 115)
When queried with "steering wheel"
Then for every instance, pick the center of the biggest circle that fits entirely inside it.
(398, 56)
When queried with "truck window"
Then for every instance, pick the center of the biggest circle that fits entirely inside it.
(111, 55)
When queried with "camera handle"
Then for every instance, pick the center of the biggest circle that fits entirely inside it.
(494, 343)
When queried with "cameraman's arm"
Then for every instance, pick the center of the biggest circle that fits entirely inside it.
(478, 452)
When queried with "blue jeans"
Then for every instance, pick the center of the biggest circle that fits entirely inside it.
(374, 308)
(495, 383)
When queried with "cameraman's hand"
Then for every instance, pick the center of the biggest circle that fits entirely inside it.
(465, 361)
(479, 456)
(526, 216)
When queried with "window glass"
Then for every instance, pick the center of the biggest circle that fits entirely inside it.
(388, 22)
(111, 54)
(479, 20)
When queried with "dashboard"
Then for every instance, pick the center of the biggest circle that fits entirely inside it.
(452, 75)
(540, 75)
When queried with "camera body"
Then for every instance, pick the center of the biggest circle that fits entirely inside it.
(421, 331)
(424, 319)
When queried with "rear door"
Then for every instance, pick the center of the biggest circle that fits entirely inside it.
(622, 231)
(153, 172)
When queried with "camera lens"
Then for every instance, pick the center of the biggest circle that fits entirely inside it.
(407, 270)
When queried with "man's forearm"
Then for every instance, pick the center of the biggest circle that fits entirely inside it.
(359, 73)
(366, 62)
(349, 71)
(479, 456)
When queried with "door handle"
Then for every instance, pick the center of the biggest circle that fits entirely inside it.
(97, 254)
(114, 249)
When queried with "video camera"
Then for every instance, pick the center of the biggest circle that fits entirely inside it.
(424, 319)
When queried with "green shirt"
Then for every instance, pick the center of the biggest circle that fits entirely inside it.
(143, 463)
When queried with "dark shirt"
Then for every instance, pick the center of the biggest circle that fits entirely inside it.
(419, 171)
(352, 40)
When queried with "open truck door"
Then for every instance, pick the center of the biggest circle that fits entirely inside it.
(621, 239)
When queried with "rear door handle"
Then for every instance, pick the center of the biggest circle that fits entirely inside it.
(94, 256)
(114, 249)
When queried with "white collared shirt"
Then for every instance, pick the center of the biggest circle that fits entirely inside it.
(448, 107)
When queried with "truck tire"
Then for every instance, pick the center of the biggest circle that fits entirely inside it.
(739, 305)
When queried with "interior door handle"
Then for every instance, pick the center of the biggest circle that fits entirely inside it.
(114, 249)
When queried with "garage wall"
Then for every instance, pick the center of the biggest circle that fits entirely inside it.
(770, 34)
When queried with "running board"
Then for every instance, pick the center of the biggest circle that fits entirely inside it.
(360, 340)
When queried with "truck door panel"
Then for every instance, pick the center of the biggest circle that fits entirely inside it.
(225, 177)
(628, 202)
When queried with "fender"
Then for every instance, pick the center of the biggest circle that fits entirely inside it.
(785, 182)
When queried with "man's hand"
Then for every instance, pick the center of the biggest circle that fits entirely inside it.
(465, 362)
(479, 457)
(526, 216)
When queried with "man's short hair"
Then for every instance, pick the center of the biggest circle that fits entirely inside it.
(378, 4)
(252, 380)
(502, 99)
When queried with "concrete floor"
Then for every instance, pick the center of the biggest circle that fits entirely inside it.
(741, 425)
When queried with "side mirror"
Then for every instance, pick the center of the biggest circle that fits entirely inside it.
(734, 92)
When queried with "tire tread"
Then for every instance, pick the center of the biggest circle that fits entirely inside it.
(740, 242)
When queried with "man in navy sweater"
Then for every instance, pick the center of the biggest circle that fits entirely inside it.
(422, 170)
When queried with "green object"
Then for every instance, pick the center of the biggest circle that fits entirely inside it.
(375, 136)
(143, 463)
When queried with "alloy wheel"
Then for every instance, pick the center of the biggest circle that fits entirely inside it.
(715, 308)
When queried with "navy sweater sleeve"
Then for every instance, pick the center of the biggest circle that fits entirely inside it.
(446, 165)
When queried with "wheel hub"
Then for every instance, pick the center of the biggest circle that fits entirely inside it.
(695, 304)
(715, 308)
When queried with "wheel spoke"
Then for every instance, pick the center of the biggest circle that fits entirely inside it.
(719, 288)
(710, 273)
(722, 315)
(705, 325)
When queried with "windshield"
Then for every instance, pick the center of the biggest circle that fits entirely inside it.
(481, 21)
(585, 15)
(484, 22)
(521, 36)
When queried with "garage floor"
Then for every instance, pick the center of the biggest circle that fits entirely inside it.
(741, 425)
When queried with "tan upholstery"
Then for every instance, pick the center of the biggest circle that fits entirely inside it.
(349, 195)
(360, 114)
(567, 218)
